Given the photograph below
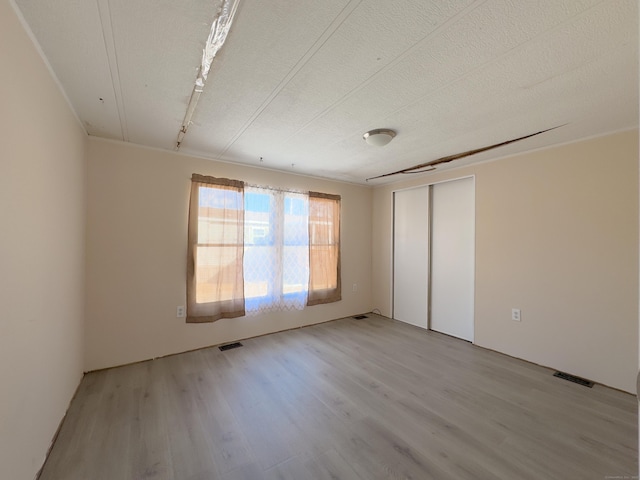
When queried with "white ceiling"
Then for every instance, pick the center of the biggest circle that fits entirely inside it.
(299, 81)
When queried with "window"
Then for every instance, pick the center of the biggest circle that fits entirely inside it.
(257, 249)
(276, 250)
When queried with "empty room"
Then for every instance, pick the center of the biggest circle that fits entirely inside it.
(339, 239)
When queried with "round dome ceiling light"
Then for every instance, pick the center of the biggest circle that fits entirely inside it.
(379, 137)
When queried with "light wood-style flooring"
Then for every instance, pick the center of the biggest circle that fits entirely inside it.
(348, 399)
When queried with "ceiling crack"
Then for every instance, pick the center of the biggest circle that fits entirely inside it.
(317, 45)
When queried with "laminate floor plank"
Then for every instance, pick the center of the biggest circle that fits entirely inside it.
(250, 471)
(327, 466)
(111, 456)
(188, 440)
(272, 434)
(348, 399)
(151, 457)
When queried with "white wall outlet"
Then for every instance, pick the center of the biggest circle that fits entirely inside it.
(180, 312)
(515, 314)
(355, 287)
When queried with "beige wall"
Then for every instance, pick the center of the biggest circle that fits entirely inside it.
(136, 254)
(556, 236)
(41, 253)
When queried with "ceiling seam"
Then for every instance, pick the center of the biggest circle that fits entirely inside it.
(410, 154)
(499, 57)
(104, 12)
(227, 162)
(470, 72)
(218, 32)
(38, 47)
(453, 20)
(309, 54)
(579, 66)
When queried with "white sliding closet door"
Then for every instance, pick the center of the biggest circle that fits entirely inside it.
(411, 256)
(453, 257)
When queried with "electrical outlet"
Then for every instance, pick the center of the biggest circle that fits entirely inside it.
(515, 314)
(355, 287)
(180, 312)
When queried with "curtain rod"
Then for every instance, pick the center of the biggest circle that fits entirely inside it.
(199, 177)
(277, 189)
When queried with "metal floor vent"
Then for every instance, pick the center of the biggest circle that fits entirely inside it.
(359, 317)
(574, 379)
(229, 346)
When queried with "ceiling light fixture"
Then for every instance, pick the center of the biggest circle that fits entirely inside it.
(379, 137)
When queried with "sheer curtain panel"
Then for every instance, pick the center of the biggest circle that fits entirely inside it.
(215, 284)
(324, 249)
(276, 252)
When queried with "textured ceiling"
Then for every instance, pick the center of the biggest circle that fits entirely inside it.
(298, 82)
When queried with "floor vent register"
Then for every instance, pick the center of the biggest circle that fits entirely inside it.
(574, 379)
(229, 346)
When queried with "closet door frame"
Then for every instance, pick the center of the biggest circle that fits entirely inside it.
(429, 278)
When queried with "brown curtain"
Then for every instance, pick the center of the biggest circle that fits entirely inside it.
(215, 284)
(324, 249)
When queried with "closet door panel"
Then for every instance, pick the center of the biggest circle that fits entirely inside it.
(453, 258)
(411, 256)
